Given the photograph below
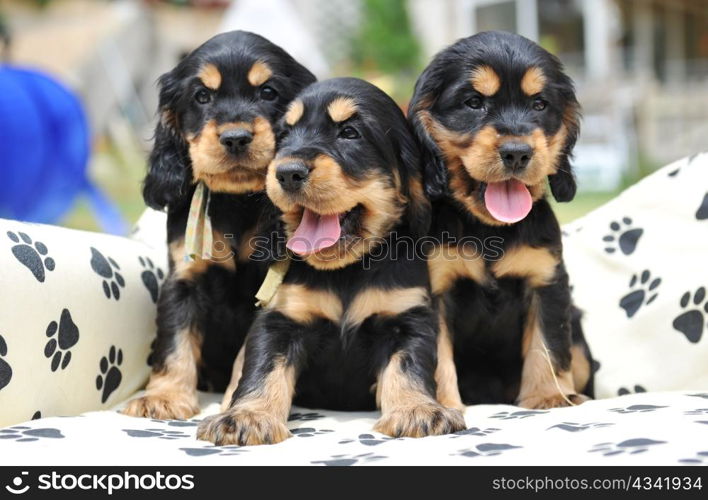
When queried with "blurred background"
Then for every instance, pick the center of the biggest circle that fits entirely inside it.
(641, 68)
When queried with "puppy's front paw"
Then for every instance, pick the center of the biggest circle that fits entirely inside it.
(242, 427)
(162, 407)
(422, 420)
(548, 401)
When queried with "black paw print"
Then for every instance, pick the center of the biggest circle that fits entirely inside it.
(179, 423)
(58, 345)
(223, 451)
(107, 268)
(505, 415)
(692, 322)
(630, 446)
(305, 416)
(109, 378)
(576, 427)
(637, 409)
(346, 460)
(624, 236)
(5, 368)
(24, 434)
(369, 440)
(306, 432)
(151, 276)
(486, 450)
(697, 411)
(702, 212)
(31, 255)
(701, 458)
(703, 395)
(623, 391)
(474, 431)
(166, 434)
(643, 295)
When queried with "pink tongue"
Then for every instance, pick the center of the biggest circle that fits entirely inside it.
(508, 201)
(314, 233)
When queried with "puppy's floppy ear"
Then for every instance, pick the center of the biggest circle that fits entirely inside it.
(418, 211)
(562, 183)
(434, 169)
(169, 172)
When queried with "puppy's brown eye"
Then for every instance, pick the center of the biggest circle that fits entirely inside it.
(475, 102)
(203, 96)
(268, 93)
(349, 132)
(539, 104)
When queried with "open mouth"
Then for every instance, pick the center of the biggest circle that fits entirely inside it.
(508, 201)
(317, 232)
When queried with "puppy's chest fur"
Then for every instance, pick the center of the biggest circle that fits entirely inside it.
(350, 320)
(485, 284)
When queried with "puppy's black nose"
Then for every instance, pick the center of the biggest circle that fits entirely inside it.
(236, 140)
(515, 155)
(292, 175)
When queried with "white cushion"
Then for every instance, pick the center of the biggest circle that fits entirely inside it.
(77, 317)
(638, 269)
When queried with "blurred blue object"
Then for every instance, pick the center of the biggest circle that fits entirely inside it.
(44, 152)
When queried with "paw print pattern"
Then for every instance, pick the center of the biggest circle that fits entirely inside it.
(346, 460)
(24, 434)
(62, 337)
(166, 434)
(474, 431)
(623, 236)
(107, 268)
(151, 276)
(702, 212)
(576, 427)
(643, 295)
(701, 458)
(368, 440)
(109, 379)
(223, 451)
(637, 409)
(692, 322)
(630, 446)
(5, 368)
(305, 416)
(623, 391)
(487, 450)
(697, 411)
(505, 415)
(306, 432)
(31, 255)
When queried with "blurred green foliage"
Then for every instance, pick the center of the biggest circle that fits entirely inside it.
(386, 42)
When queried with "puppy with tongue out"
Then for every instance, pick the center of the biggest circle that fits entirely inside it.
(353, 310)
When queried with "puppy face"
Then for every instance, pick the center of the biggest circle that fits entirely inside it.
(217, 110)
(347, 171)
(497, 117)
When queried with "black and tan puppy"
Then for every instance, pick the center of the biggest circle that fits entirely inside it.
(351, 327)
(498, 119)
(217, 111)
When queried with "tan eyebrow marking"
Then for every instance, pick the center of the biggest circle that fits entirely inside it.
(533, 81)
(259, 73)
(210, 76)
(295, 112)
(485, 80)
(342, 108)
